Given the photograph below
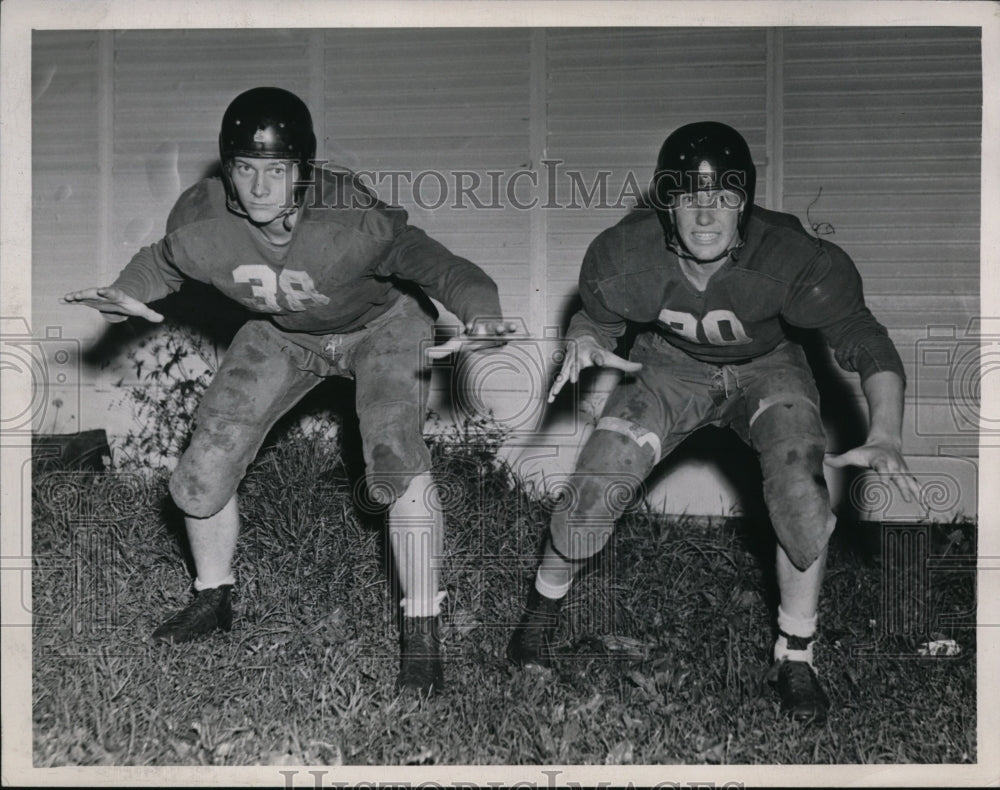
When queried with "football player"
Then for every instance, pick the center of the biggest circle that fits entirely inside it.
(319, 259)
(708, 280)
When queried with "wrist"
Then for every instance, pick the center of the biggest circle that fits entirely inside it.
(585, 340)
(885, 439)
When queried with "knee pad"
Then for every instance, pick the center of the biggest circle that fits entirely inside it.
(394, 450)
(211, 468)
(202, 489)
(610, 471)
(584, 518)
(787, 433)
(793, 470)
(797, 498)
(392, 466)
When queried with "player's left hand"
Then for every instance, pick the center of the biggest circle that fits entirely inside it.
(885, 460)
(481, 333)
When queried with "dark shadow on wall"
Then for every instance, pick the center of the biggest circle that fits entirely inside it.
(196, 308)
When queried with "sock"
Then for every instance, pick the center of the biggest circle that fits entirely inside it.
(417, 607)
(550, 590)
(199, 585)
(795, 637)
(416, 535)
(555, 573)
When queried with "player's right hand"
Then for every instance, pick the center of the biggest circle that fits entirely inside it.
(113, 303)
(478, 333)
(585, 352)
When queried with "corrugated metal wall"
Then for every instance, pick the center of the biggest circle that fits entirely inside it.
(887, 124)
(885, 121)
(70, 177)
(432, 113)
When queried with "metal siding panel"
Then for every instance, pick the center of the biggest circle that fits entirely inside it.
(65, 217)
(426, 110)
(64, 97)
(899, 183)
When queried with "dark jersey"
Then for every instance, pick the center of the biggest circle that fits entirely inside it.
(338, 272)
(781, 274)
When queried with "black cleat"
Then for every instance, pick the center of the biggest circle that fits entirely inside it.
(420, 668)
(802, 696)
(531, 643)
(211, 609)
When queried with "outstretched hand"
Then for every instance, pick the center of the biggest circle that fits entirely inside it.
(584, 353)
(113, 303)
(483, 334)
(886, 461)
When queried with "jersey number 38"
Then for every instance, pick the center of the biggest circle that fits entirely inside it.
(297, 288)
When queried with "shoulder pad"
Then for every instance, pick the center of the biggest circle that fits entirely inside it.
(205, 200)
(340, 198)
(779, 246)
(630, 253)
(777, 219)
(637, 230)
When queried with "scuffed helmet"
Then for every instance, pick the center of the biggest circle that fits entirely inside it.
(269, 123)
(700, 157)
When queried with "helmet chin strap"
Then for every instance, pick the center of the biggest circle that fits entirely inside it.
(233, 205)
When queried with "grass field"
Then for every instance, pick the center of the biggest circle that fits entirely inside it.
(664, 649)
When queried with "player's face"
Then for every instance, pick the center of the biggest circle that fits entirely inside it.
(264, 187)
(707, 223)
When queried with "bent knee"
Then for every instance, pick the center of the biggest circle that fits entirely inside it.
(794, 485)
(795, 456)
(200, 495)
(394, 449)
(586, 510)
(392, 466)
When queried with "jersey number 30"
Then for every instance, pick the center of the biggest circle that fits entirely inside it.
(297, 288)
(721, 327)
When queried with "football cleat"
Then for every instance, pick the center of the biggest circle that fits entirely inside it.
(531, 643)
(210, 610)
(802, 696)
(420, 668)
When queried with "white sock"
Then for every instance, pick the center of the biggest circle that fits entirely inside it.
(550, 590)
(555, 573)
(417, 607)
(199, 585)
